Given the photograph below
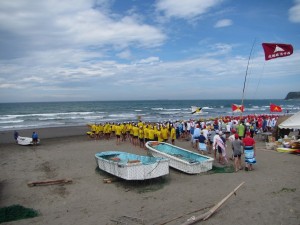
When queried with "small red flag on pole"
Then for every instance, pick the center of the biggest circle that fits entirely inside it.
(275, 108)
(237, 108)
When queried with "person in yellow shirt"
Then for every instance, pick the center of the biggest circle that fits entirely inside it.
(151, 134)
(141, 137)
(159, 135)
(155, 132)
(128, 128)
(113, 129)
(123, 131)
(97, 132)
(107, 130)
(146, 133)
(173, 134)
(118, 130)
(100, 128)
(131, 133)
(140, 123)
(165, 133)
(94, 130)
(135, 134)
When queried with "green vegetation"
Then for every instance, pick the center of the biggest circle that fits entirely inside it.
(285, 190)
(225, 169)
(16, 212)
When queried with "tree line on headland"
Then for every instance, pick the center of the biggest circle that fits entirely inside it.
(293, 95)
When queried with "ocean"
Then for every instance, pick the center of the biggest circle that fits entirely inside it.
(18, 116)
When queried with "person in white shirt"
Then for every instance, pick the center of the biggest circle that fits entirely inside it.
(205, 132)
(195, 136)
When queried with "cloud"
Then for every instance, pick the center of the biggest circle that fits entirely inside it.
(185, 9)
(223, 23)
(66, 50)
(294, 12)
(149, 60)
(30, 26)
(126, 54)
(149, 77)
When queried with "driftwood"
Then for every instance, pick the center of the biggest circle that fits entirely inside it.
(208, 214)
(49, 182)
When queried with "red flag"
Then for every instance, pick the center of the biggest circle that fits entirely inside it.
(275, 108)
(237, 108)
(274, 50)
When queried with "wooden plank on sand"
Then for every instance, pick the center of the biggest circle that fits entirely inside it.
(49, 182)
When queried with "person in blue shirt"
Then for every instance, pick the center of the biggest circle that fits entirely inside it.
(35, 138)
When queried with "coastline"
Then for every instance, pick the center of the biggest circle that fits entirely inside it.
(7, 137)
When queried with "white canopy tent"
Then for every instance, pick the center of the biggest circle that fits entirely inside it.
(292, 122)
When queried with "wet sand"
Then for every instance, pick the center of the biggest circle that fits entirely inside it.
(270, 195)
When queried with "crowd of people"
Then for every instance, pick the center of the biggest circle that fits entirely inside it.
(206, 136)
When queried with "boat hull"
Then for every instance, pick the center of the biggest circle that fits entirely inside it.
(180, 158)
(25, 141)
(130, 166)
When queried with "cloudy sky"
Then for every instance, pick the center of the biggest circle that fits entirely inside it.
(65, 50)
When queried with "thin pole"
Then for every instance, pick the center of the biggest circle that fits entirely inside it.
(246, 76)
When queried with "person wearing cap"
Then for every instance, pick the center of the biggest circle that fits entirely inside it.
(236, 145)
(249, 151)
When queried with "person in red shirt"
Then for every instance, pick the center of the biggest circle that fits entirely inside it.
(249, 151)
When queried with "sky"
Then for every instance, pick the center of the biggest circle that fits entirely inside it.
(98, 50)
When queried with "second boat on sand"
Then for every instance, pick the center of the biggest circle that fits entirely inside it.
(180, 158)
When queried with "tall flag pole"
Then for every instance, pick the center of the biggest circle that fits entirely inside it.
(246, 77)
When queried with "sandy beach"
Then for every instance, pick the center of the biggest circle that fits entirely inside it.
(270, 195)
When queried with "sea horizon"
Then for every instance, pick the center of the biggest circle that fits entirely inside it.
(24, 115)
(129, 100)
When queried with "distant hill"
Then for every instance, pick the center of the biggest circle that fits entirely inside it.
(293, 95)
